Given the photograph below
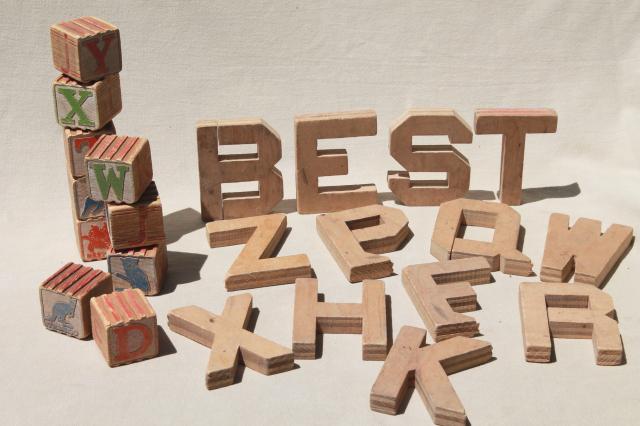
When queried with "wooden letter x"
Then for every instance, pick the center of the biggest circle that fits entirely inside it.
(582, 249)
(501, 253)
(368, 318)
(254, 268)
(229, 341)
(356, 237)
(569, 311)
(441, 290)
(426, 368)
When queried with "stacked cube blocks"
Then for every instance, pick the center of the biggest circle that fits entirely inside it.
(106, 172)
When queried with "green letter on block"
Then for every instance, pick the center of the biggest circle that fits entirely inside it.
(111, 181)
(76, 107)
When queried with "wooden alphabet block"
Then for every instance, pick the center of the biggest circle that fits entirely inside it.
(441, 290)
(87, 106)
(229, 341)
(78, 142)
(137, 225)
(576, 311)
(65, 295)
(83, 206)
(582, 249)
(143, 268)
(429, 158)
(86, 49)
(513, 125)
(356, 237)
(409, 364)
(119, 168)
(312, 162)
(501, 252)
(124, 327)
(255, 267)
(92, 238)
(368, 318)
(216, 169)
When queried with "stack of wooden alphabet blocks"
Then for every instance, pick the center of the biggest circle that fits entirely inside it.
(117, 210)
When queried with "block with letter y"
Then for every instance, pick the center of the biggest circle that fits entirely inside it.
(119, 168)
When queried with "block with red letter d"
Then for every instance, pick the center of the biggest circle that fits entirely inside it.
(124, 327)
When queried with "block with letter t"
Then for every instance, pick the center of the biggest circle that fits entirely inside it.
(86, 49)
(86, 106)
(78, 142)
(124, 326)
(119, 168)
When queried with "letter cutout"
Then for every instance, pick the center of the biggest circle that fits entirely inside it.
(441, 290)
(583, 249)
(229, 341)
(427, 368)
(429, 158)
(100, 54)
(501, 253)
(368, 318)
(513, 125)
(575, 311)
(356, 237)
(312, 162)
(255, 267)
(216, 169)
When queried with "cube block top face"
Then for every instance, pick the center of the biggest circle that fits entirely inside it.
(64, 298)
(142, 268)
(119, 168)
(93, 238)
(124, 326)
(78, 143)
(86, 49)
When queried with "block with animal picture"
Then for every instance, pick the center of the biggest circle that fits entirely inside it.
(119, 168)
(65, 295)
(143, 268)
(86, 49)
(86, 106)
(78, 142)
(83, 206)
(92, 238)
(124, 327)
(139, 224)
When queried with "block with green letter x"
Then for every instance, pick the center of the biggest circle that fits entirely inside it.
(76, 107)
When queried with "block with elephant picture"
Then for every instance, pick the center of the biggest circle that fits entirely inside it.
(143, 268)
(65, 295)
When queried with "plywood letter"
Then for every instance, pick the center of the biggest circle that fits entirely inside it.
(513, 125)
(229, 341)
(409, 364)
(583, 249)
(501, 253)
(368, 318)
(441, 290)
(312, 162)
(216, 169)
(569, 311)
(355, 238)
(255, 267)
(429, 158)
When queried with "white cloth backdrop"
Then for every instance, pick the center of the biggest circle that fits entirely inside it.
(275, 59)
